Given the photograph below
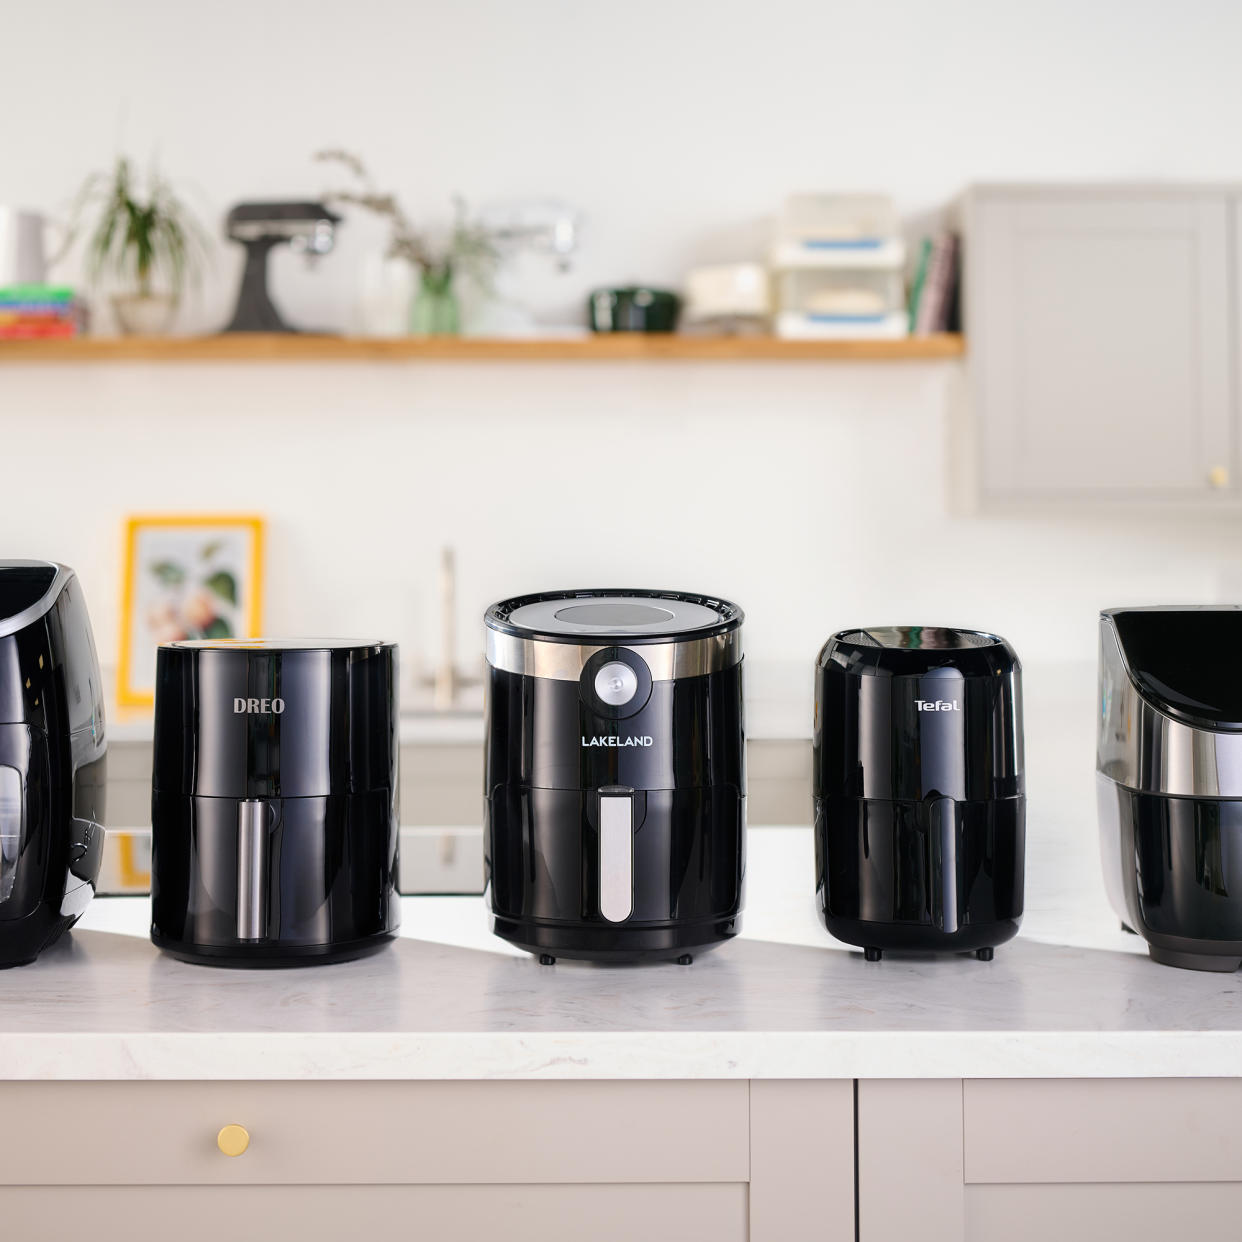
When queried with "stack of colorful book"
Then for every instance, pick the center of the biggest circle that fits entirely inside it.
(934, 299)
(32, 312)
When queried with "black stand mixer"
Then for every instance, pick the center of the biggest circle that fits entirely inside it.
(309, 228)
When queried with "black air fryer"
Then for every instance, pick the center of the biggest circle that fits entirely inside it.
(1169, 779)
(52, 758)
(920, 813)
(615, 781)
(274, 807)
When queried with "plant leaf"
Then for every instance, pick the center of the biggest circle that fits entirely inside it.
(210, 549)
(224, 585)
(218, 628)
(139, 240)
(169, 573)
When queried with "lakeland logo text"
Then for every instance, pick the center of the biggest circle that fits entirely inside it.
(937, 705)
(264, 707)
(618, 741)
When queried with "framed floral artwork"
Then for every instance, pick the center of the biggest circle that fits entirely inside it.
(186, 576)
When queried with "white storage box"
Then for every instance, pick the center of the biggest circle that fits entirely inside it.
(841, 302)
(838, 230)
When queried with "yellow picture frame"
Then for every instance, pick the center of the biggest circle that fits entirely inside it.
(207, 582)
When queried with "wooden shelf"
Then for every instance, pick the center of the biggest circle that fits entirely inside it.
(620, 348)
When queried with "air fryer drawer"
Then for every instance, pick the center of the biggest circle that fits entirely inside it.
(156, 1133)
(542, 849)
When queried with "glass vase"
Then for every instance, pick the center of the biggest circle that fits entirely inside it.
(434, 310)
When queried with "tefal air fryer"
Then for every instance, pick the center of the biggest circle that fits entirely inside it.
(920, 813)
(615, 786)
(1169, 779)
(52, 758)
(274, 807)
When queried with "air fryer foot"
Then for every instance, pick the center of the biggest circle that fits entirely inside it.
(984, 955)
(872, 954)
(1194, 961)
(546, 959)
(685, 959)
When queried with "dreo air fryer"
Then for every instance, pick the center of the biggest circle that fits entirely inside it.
(274, 802)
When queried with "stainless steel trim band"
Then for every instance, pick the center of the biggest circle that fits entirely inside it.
(1144, 749)
(669, 661)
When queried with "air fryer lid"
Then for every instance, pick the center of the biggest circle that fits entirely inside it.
(920, 638)
(23, 586)
(911, 712)
(918, 650)
(49, 675)
(1185, 661)
(602, 617)
(271, 718)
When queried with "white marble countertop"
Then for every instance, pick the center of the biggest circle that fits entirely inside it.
(1071, 996)
(448, 1000)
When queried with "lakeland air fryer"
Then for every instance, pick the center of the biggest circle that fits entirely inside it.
(615, 782)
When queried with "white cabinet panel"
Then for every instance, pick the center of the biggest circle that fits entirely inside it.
(1092, 1213)
(1115, 1130)
(1100, 337)
(541, 1213)
(376, 1132)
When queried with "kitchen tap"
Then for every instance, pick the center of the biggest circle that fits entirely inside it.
(543, 227)
(447, 681)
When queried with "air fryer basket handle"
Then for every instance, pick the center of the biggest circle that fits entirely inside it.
(253, 820)
(942, 863)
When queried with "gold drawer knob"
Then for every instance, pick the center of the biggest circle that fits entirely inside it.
(1218, 476)
(233, 1140)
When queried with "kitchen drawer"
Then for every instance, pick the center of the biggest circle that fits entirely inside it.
(1104, 1130)
(164, 1133)
(1207, 1212)
(654, 1213)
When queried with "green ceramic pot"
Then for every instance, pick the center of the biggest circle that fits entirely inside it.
(636, 308)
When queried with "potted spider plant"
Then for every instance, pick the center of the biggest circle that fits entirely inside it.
(146, 239)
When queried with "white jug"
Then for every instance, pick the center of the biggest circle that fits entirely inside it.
(23, 259)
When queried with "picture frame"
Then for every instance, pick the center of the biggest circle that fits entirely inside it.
(185, 576)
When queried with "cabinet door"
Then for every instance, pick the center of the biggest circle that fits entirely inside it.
(1074, 1160)
(1100, 338)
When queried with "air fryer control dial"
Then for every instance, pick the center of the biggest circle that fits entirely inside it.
(616, 684)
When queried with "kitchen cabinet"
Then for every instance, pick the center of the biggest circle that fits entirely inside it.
(1102, 344)
(668, 1161)
(943, 1160)
(1027, 1160)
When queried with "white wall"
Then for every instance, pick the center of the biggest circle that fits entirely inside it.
(812, 494)
(677, 126)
